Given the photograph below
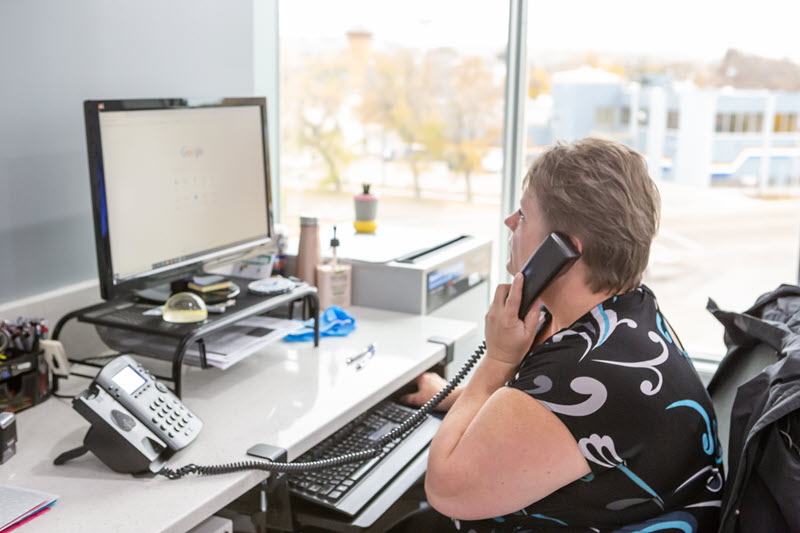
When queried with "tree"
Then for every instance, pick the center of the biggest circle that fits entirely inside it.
(318, 89)
(397, 95)
(473, 117)
(538, 82)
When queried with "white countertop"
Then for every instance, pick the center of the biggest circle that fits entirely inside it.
(290, 395)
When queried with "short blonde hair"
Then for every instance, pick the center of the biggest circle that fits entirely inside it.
(600, 192)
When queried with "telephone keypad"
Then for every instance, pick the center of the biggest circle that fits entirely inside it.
(153, 403)
(171, 416)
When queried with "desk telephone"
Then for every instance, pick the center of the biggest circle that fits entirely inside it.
(137, 422)
(123, 382)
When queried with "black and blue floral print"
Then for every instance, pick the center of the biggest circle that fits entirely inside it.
(628, 393)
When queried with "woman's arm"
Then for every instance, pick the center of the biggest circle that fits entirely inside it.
(498, 449)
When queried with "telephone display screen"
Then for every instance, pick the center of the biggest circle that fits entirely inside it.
(128, 379)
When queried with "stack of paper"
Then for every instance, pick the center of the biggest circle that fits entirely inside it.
(233, 343)
(20, 505)
(225, 347)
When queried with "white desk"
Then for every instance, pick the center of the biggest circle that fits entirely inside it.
(289, 395)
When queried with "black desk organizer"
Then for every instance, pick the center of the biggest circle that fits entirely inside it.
(127, 315)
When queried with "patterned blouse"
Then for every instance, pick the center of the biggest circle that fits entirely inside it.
(630, 396)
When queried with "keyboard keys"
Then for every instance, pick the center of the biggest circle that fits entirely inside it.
(355, 476)
(331, 485)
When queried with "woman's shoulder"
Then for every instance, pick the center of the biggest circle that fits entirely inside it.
(627, 330)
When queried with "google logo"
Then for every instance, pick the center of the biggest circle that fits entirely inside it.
(189, 153)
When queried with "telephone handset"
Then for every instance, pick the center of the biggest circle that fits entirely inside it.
(137, 422)
(553, 257)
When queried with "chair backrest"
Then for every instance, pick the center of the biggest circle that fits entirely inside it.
(740, 371)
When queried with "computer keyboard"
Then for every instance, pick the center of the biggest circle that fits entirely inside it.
(347, 488)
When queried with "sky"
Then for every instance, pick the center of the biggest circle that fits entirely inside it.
(701, 30)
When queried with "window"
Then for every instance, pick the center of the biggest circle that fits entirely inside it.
(779, 120)
(604, 116)
(720, 122)
(722, 234)
(624, 116)
(730, 124)
(672, 119)
(737, 122)
(404, 100)
(747, 125)
(642, 116)
(413, 104)
(782, 122)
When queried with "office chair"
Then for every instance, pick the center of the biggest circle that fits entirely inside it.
(727, 380)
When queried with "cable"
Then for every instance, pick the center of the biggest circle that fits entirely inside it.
(423, 411)
(96, 357)
(406, 425)
(287, 468)
(76, 374)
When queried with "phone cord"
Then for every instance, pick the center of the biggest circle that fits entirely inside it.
(409, 423)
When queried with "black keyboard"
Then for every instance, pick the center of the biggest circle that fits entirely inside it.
(347, 488)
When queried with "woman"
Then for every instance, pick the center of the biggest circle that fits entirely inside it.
(587, 415)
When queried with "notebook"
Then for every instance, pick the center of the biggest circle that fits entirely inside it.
(19, 504)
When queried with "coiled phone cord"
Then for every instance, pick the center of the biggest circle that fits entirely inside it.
(290, 468)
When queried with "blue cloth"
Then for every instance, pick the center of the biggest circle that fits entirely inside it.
(334, 322)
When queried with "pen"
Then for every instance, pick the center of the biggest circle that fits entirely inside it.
(361, 364)
(353, 358)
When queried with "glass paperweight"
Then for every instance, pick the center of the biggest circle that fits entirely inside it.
(184, 307)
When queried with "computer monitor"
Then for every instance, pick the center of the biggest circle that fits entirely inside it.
(175, 185)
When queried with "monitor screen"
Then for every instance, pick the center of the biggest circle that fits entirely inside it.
(175, 185)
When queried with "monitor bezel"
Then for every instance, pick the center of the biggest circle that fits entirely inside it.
(109, 287)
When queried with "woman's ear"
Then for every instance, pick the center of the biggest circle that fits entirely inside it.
(576, 242)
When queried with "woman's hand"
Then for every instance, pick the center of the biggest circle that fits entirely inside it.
(507, 337)
(428, 385)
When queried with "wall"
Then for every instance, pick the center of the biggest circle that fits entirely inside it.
(54, 55)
